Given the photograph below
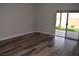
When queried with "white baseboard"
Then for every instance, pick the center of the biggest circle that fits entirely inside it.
(45, 33)
(5, 38)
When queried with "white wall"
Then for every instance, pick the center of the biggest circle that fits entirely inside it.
(16, 19)
(46, 15)
(35, 17)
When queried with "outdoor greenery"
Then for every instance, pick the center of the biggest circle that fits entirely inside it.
(71, 28)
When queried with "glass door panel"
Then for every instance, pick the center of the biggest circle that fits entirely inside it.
(61, 24)
(73, 26)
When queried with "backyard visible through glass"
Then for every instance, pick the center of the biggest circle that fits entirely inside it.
(73, 22)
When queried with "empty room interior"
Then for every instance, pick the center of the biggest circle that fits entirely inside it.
(39, 29)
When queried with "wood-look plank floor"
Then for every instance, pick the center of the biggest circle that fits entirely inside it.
(39, 44)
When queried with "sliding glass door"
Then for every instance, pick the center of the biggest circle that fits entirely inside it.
(67, 25)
